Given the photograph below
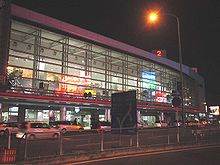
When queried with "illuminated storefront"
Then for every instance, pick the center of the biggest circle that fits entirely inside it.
(48, 61)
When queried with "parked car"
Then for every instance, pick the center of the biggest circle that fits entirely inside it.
(104, 125)
(101, 125)
(140, 125)
(178, 123)
(37, 130)
(160, 124)
(205, 122)
(7, 127)
(194, 123)
(67, 126)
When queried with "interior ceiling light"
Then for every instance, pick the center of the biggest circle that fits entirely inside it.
(14, 43)
(42, 50)
(54, 53)
(28, 47)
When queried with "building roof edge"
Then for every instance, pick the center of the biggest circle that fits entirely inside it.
(78, 31)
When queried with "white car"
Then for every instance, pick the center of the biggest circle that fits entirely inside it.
(160, 124)
(9, 127)
(104, 125)
(37, 130)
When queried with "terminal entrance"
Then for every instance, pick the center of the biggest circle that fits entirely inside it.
(83, 115)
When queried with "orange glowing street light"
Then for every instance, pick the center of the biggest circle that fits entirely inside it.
(153, 17)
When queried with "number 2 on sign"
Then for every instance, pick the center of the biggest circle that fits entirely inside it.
(159, 53)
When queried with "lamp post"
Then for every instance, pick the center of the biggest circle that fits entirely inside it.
(152, 18)
(181, 64)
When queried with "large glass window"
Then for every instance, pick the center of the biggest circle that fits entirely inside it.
(70, 66)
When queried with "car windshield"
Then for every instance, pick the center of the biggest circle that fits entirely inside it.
(62, 122)
(105, 123)
(39, 125)
(13, 124)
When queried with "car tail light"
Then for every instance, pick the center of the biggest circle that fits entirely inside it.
(26, 125)
(99, 126)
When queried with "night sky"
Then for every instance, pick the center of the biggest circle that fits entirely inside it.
(124, 20)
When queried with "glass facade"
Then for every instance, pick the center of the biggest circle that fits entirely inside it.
(47, 63)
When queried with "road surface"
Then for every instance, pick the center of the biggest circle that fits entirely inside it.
(196, 156)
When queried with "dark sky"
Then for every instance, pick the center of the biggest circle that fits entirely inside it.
(124, 20)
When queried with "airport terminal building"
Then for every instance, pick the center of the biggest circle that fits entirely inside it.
(52, 70)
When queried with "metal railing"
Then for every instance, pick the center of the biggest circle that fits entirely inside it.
(90, 141)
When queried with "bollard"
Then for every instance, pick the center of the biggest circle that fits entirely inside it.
(178, 134)
(9, 139)
(102, 140)
(120, 138)
(196, 136)
(168, 137)
(137, 139)
(25, 147)
(131, 141)
(61, 143)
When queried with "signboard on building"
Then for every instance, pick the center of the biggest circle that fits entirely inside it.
(124, 110)
(214, 110)
(149, 80)
(159, 52)
(161, 97)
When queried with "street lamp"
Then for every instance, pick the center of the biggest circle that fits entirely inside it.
(152, 17)
(180, 63)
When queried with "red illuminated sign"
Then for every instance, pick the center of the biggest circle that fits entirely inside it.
(160, 97)
(159, 53)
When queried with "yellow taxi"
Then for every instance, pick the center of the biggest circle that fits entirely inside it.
(66, 126)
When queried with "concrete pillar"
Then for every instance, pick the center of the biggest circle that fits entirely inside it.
(51, 116)
(161, 116)
(94, 118)
(108, 115)
(63, 113)
(4, 108)
(21, 114)
(5, 25)
(95, 114)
